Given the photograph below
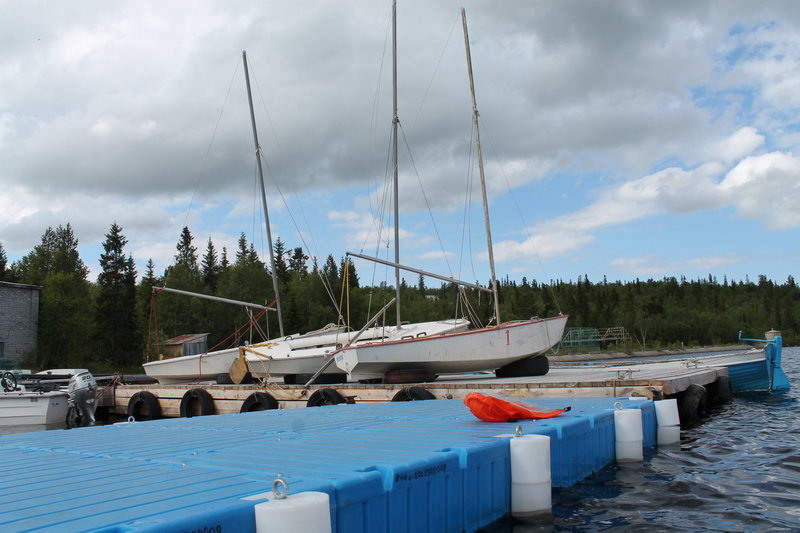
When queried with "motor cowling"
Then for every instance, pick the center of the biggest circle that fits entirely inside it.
(82, 391)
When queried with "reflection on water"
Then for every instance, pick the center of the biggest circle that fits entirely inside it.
(739, 471)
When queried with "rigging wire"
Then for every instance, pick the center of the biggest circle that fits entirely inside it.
(427, 203)
(203, 165)
(435, 70)
(522, 218)
(325, 282)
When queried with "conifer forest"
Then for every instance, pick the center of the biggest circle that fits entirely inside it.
(118, 322)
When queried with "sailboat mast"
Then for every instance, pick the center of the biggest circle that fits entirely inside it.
(263, 195)
(395, 121)
(480, 168)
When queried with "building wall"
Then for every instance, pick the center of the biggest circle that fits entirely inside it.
(19, 319)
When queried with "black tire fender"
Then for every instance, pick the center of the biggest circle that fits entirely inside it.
(144, 406)
(325, 397)
(724, 389)
(537, 365)
(258, 401)
(692, 404)
(412, 394)
(196, 402)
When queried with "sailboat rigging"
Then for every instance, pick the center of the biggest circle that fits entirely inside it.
(502, 348)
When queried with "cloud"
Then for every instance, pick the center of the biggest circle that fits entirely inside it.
(669, 108)
(766, 187)
(544, 245)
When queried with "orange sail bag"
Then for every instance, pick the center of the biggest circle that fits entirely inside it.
(491, 409)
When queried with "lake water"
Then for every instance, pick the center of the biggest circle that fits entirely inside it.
(738, 471)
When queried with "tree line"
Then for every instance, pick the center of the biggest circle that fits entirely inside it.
(118, 322)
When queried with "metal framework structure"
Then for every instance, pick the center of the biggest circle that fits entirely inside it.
(594, 337)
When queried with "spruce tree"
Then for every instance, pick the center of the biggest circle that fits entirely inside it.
(281, 269)
(210, 268)
(297, 262)
(187, 253)
(115, 315)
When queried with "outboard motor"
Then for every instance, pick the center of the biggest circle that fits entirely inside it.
(82, 390)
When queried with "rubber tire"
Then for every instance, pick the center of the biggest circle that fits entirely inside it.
(325, 397)
(144, 406)
(724, 390)
(692, 405)
(333, 378)
(537, 365)
(412, 394)
(258, 401)
(195, 398)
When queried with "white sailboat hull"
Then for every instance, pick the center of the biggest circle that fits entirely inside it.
(469, 351)
(189, 368)
(287, 359)
(207, 366)
(33, 408)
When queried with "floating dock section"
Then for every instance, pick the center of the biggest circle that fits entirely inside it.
(387, 467)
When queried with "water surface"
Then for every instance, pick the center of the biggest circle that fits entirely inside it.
(738, 471)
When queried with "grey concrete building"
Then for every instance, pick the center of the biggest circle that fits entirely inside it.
(19, 319)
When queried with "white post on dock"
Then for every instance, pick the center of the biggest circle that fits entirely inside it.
(669, 422)
(531, 493)
(628, 433)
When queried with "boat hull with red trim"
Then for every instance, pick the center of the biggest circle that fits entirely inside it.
(469, 351)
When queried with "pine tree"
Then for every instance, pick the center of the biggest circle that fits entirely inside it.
(245, 253)
(224, 264)
(281, 269)
(187, 254)
(210, 268)
(297, 262)
(115, 314)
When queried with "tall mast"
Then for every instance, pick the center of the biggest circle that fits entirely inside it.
(480, 167)
(395, 121)
(263, 195)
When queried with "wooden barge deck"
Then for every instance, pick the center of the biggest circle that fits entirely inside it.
(655, 381)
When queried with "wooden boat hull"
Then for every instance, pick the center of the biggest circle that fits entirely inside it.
(469, 351)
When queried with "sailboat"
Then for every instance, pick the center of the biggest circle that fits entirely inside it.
(504, 348)
(216, 364)
(293, 357)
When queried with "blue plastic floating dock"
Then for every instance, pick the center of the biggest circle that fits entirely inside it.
(388, 467)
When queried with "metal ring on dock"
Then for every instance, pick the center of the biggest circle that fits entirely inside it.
(280, 494)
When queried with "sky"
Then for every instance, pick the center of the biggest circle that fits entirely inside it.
(621, 139)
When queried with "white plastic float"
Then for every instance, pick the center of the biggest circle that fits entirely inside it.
(304, 512)
(669, 422)
(531, 492)
(628, 434)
